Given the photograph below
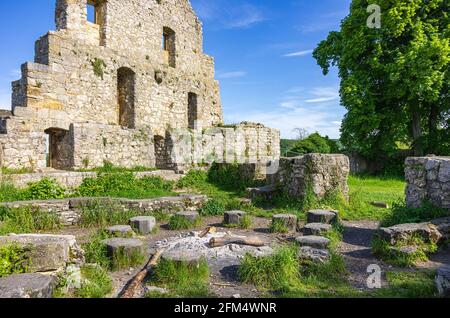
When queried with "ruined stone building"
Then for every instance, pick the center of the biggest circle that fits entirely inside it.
(114, 87)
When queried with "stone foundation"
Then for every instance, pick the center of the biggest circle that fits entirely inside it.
(428, 179)
(69, 210)
(318, 173)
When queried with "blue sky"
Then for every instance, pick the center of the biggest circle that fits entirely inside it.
(262, 50)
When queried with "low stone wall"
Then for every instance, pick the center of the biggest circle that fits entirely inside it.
(428, 179)
(73, 179)
(317, 172)
(69, 210)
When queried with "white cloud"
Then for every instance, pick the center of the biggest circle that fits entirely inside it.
(234, 74)
(5, 100)
(323, 95)
(298, 54)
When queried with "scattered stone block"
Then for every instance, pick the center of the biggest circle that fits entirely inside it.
(315, 255)
(322, 216)
(443, 281)
(123, 246)
(191, 257)
(233, 217)
(266, 192)
(191, 216)
(120, 231)
(27, 286)
(313, 241)
(287, 220)
(443, 226)
(47, 252)
(427, 231)
(405, 250)
(143, 225)
(317, 229)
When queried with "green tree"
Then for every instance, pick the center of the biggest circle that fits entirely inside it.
(394, 80)
(315, 143)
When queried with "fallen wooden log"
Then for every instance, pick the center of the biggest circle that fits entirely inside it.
(227, 240)
(133, 285)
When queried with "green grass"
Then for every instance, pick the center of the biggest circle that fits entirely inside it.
(110, 168)
(96, 282)
(8, 171)
(417, 284)
(278, 226)
(27, 220)
(183, 280)
(124, 259)
(45, 189)
(245, 223)
(13, 260)
(212, 208)
(400, 214)
(389, 254)
(178, 222)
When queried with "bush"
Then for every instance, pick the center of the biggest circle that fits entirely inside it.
(45, 189)
(96, 282)
(194, 178)
(27, 220)
(212, 208)
(183, 279)
(229, 177)
(13, 260)
(315, 143)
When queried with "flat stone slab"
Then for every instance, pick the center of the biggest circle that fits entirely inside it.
(322, 216)
(316, 229)
(288, 220)
(313, 241)
(143, 225)
(233, 217)
(191, 216)
(265, 192)
(394, 234)
(27, 286)
(315, 255)
(123, 245)
(120, 231)
(443, 281)
(47, 252)
(190, 257)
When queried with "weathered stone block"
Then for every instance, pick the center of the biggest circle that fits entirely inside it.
(123, 246)
(317, 229)
(120, 231)
(315, 255)
(287, 220)
(443, 281)
(143, 225)
(27, 286)
(190, 216)
(322, 216)
(47, 252)
(318, 242)
(233, 217)
(427, 231)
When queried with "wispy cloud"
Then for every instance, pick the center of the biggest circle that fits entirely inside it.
(234, 74)
(235, 15)
(299, 53)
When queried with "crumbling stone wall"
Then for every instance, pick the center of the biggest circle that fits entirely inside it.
(428, 179)
(117, 74)
(319, 173)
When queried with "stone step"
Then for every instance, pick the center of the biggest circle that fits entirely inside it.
(123, 246)
(124, 231)
(288, 220)
(143, 225)
(313, 241)
(315, 255)
(428, 231)
(317, 229)
(27, 286)
(233, 217)
(322, 216)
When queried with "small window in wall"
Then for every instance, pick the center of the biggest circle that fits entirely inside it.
(126, 81)
(91, 13)
(192, 110)
(94, 11)
(169, 46)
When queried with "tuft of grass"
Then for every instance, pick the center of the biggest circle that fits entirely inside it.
(184, 280)
(124, 259)
(9, 171)
(401, 214)
(14, 259)
(278, 226)
(212, 208)
(391, 255)
(96, 282)
(273, 272)
(101, 215)
(96, 252)
(27, 220)
(245, 223)
(108, 167)
(178, 222)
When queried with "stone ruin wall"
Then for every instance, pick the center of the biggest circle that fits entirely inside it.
(320, 173)
(63, 87)
(428, 179)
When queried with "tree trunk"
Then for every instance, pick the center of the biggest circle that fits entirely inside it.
(433, 129)
(416, 129)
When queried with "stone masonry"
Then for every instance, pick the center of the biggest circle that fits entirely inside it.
(115, 89)
(428, 179)
(322, 174)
